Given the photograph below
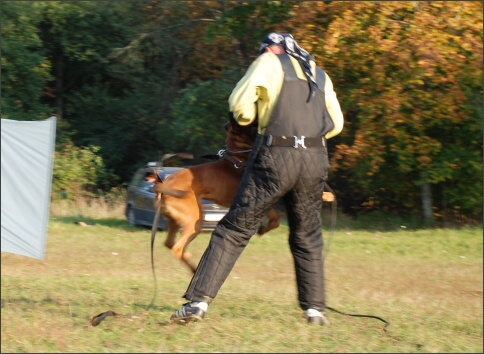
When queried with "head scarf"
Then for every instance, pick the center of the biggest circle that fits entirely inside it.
(293, 49)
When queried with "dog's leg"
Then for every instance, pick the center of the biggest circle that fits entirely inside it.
(171, 233)
(273, 223)
(188, 233)
(188, 216)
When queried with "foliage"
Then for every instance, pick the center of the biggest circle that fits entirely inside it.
(137, 78)
(246, 23)
(408, 98)
(194, 111)
(93, 93)
(25, 69)
(77, 172)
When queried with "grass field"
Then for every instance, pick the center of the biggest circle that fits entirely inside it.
(427, 283)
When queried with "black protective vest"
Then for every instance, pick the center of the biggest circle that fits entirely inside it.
(292, 115)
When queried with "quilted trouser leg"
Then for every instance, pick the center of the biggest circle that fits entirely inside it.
(259, 189)
(306, 241)
(304, 204)
(275, 173)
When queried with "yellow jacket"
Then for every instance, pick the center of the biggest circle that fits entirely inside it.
(257, 92)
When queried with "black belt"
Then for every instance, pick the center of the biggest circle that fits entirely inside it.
(293, 141)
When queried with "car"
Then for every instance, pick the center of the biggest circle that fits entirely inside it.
(140, 208)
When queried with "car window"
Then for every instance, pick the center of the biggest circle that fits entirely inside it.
(146, 185)
(137, 178)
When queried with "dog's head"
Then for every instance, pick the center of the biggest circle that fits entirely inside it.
(239, 137)
(154, 177)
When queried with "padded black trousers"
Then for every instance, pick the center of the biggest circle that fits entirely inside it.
(296, 176)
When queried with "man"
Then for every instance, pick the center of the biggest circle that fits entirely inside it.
(297, 111)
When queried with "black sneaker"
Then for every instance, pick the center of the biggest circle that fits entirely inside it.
(187, 314)
(318, 320)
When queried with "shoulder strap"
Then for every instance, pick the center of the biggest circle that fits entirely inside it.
(320, 78)
(290, 72)
(287, 67)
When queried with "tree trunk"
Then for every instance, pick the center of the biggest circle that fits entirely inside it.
(59, 85)
(427, 204)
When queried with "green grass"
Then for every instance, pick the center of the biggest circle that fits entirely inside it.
(426, 283)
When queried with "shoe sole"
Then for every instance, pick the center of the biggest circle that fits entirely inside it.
(186, 320)
(317, 320)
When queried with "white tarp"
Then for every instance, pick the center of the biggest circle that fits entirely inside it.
(27, 164)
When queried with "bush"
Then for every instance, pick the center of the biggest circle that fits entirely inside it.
(78, 171)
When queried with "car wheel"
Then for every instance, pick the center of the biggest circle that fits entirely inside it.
(131, 217)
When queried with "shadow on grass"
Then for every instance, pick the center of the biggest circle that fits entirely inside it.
(108, 222)
(375, 222)
(138, 310)
(58, 308)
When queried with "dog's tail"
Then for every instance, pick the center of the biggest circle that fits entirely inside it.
(159, 189)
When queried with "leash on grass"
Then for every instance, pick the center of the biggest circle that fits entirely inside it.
(96, 320)
(357, 315)
(331, 234)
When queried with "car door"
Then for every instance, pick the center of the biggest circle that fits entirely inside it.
(145, 201)
(140, 197)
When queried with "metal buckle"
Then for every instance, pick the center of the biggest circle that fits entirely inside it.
(221, 152)
(238, 164)
(299, 141)
(269, 140)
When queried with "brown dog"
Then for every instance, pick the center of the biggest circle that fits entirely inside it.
(178, 197)
(216, 181)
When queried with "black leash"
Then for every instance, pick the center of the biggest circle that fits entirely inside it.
(154, 228)
(96, 320)
(357, 315)
(333, 227)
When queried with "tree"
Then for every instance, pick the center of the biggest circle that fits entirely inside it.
(25, 70)
(412, 101)
(198, 114)
(130, 79)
